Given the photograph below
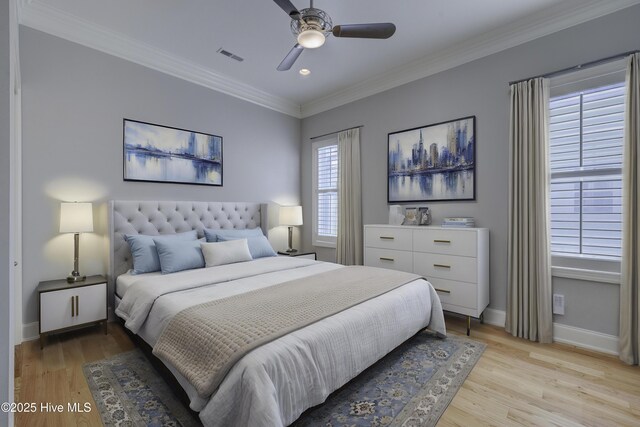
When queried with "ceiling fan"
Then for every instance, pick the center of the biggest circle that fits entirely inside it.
(311, 27)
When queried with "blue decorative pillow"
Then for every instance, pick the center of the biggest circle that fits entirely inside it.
(259, 246)
(178, 255)
(144, 252)
(214, 235)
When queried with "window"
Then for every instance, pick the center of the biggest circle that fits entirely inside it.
(586, 143)
(325, 192)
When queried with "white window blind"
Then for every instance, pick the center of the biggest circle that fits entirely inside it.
(586, 137)
(325, 207)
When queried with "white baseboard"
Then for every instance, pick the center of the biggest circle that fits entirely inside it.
(583, 338)
(30, 331)
(495, 317)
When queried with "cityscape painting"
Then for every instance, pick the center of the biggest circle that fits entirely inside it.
(164, 154)
(433, 163)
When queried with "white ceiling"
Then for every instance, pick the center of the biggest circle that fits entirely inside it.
(430, 33)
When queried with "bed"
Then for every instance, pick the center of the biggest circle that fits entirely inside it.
(273, 383)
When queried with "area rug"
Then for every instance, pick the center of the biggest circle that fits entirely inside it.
(411, 386)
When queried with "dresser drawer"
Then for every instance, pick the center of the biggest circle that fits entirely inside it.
(446, 241)
(388, 238)
(388, 258)
(460, 294)
(457, 268)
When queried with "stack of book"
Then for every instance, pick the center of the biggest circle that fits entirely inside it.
(459, 222)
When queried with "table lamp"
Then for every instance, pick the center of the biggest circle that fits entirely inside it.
(76, 218)
(291, 216)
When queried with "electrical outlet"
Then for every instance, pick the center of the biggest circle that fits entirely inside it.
(558, 304)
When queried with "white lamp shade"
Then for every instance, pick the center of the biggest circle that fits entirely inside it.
(291, 215)
(76, 218)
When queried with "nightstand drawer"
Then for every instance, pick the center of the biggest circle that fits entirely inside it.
(448, 267)
(460, 294)
(74, 306)
(388, 238)
(388, 258)
(446, 241)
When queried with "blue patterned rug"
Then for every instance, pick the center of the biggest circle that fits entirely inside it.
(411, 386)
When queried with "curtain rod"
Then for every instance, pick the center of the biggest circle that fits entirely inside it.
(579, 67)
(338, 131)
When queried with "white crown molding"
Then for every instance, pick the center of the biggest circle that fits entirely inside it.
(43, 17)
(548, 21)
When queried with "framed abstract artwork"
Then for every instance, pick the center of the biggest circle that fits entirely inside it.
(156, 153)
(432, 163)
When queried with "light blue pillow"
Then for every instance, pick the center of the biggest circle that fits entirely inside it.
(178, 255)
(144, 253)
(214, 235)
(259, 246)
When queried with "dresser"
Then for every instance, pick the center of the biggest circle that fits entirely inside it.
(454, 260)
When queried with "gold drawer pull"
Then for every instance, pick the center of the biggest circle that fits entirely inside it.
(77, 305)
(386, 259)
(444, 291)
(73, 307)
(441, 241)
(387, 237)
(441, 266)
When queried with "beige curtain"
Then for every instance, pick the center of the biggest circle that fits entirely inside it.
(629, 345)
(529, 276)
(349, 242)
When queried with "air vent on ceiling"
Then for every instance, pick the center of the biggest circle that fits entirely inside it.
(230, 55)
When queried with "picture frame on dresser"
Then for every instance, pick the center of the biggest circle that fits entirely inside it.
(157, 153)
(424, 215)
(411, 216)
(432, 163)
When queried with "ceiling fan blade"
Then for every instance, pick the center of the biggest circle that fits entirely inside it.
(365, 31)
(289, 8)
(291, 58)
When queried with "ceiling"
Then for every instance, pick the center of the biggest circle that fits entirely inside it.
(182, 37)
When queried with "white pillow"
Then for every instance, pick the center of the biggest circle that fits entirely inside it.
(220, 253)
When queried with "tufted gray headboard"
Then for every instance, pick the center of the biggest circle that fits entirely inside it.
(168, 217)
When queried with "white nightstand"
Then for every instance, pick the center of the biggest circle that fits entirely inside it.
(65, 306)
(309, 255)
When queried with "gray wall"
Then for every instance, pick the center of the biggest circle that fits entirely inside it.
(589, 305)
(74, 100)
(6, 347)
(478, 88)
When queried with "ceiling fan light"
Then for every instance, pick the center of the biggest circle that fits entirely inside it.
(311, 39)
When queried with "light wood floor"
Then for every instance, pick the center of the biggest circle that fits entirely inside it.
(514, 383)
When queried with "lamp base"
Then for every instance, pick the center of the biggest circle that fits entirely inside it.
(290, 249)
(75, 277)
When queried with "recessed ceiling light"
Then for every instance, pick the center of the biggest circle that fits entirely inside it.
(305, 72)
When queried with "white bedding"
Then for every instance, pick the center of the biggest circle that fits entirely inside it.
(124, 281)
(275, 383)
